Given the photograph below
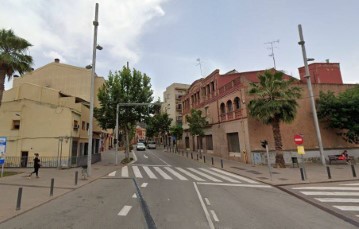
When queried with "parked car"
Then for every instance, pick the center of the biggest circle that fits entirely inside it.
(140, 146)
(151, 145)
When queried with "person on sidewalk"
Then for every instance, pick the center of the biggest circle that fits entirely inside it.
(36, 166)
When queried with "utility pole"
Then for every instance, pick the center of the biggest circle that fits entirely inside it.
(311, 96)
(116, 142)
(89, 154)
(272, 50)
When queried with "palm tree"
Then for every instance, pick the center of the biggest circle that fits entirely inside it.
(12, 57)
(274, 102)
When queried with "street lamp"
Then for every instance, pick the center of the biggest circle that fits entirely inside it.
(310, 89)
(95, 46)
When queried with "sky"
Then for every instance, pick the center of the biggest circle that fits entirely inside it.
(165, 38)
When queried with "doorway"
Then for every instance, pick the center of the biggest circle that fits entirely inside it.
(24, 158)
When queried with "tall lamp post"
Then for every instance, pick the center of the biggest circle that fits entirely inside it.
(310, 89)
(95, 46)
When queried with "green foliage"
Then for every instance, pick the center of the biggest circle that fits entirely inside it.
(176, 131)
(275, 98)
(196, 122)
(13, 56)
(157, 125)
(341, 112)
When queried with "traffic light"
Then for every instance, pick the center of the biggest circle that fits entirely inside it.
(264, 143)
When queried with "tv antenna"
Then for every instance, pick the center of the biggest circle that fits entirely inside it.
(271, 43)
(200, 65)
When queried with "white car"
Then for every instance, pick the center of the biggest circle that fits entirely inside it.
(140, 146)
(151, 145)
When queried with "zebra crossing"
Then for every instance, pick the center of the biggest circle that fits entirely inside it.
(344, 197)
(180, 174)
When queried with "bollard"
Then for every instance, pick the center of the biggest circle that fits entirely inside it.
(197, 156)
(328, 171)
(204, 159)
(222, 163)
(302, 173)
(52, 187)
(192, 156)
(212, 161)
(76, 177)
(18, 202)
(353, 171)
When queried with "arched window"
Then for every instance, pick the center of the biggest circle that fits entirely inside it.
(229, 106)
(237, 103)
(223, 108)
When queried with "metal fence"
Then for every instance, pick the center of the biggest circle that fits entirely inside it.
(50, 162)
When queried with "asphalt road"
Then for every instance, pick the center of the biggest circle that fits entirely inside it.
(174, 192)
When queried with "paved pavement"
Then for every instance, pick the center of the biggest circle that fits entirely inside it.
(156, 169)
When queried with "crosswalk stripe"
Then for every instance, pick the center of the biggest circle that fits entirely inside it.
(149, 172)
(219, 175)
(124, 172)
(352, 184)
(338, 200)
(329, 188)
(235, 176)
(176, 174)
(331, 193)
(162, 173)
(347, 208)
(190, 174)
(136, 171)
(204, 175)
(112, 174)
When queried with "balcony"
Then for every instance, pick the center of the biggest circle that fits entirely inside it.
(223, 117)
(238, 114)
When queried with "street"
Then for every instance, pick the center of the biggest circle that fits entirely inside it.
(165, 190)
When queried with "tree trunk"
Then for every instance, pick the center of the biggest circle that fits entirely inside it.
(279, 159)
(2, 84)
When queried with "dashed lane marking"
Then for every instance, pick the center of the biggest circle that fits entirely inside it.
(144, 185)
(214, 216)
(134, 195)
(124, 211)
(207, 201)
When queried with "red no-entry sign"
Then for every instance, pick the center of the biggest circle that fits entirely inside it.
(298, 139)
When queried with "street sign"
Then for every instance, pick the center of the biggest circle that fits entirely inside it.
(298, 139)
(300, 150)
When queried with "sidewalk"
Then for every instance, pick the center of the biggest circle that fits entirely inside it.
(316, 172)
(36, 191)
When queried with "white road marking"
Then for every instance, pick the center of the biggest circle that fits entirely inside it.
(149, 172)
(176, 174)
(134, 195)
(136, 171)
(124, 211)
(347, 208)
(144, 185)
(152, 165)
(329, 188)
(145, 156)
(219, 175)
(331, 193)
(352, 184)
(112, 174)
(207, 201)
(209, 220)
(190, 174)
(342, 200)
(237, 185)
(163, 174)
(160, 159)
(235, 176)
(204, 175)
(124, 172)
(214, 216)
(134, 158)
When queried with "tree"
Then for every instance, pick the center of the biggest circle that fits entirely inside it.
(158, 125)
(126, 87)
(13, 57)
(274, 102)
(177, 132)
(341, 112)
(196, 124)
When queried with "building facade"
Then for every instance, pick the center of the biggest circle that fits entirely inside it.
(231, 133)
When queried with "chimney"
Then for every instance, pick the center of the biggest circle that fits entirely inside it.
(327, 61)
(57, 60)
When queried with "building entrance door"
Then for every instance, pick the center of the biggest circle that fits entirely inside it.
(24, 158)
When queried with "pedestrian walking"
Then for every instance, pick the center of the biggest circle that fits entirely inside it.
(37, 165)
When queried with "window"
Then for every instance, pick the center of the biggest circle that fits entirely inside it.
(237, 103)
(15, 124)
(229, 106)
(206, 113)
(76, 124)
(223, 108)
(87, 126)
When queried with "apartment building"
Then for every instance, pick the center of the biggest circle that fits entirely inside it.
(232, 133)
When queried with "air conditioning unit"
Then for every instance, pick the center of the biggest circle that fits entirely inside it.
(76, 126)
